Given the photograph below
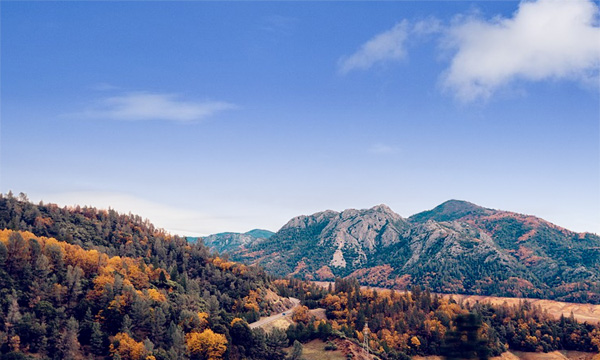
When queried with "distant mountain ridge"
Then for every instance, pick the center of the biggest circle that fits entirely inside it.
(455, 247)
(228, 241)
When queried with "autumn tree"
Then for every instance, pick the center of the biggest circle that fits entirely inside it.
(127, 348)
(206, 345)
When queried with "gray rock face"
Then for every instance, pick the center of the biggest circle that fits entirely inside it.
(306, 221)
(457, 246)
(359, 232)
(362, 232)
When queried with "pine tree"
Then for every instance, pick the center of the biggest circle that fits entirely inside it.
(97, 339)
(126, 325)
(464, 342)
(275, 342)
(158, 326)
(69, 346)
(296, 353)
(176, 339)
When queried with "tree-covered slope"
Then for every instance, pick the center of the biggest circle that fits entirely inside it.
(83, 283)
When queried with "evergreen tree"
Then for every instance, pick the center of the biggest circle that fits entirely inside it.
(97, 339)
(275, 342)
(126, 325)
(464, 342)
(69, 347)
(296, 353)
(158, 333)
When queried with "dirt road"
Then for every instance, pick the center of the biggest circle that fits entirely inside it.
(269, 319)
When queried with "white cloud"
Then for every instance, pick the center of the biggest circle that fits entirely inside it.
(383, 149)
(546, 39)
(386, 46)
(429, 26)
(154, 106)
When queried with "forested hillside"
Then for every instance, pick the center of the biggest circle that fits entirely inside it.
(85, 283)
(420, 323)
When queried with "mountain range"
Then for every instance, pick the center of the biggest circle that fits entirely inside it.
(457, 247)
(230, 241)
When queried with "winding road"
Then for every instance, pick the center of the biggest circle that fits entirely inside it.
(270, 319)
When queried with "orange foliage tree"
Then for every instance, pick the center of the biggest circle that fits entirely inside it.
(206, 345)
(127, 348)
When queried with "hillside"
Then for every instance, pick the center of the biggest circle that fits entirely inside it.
(457, 247)
(81, 283)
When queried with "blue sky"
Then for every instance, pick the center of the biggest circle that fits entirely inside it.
(226, 116)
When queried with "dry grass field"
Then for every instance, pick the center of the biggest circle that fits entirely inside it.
(315, 350)
(519, 355)
(557, 355)
(581, 312)
(282, 324)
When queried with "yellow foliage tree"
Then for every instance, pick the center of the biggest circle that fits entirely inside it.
(127, 348)
(206, 345)
(301, 314)
(156, 295)
(203, 316)
(415, 341)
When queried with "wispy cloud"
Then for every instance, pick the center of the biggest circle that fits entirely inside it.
(386, 46)
(278, 24)
(138, 106)
(428, 26)
(383, 149)
(546, 39)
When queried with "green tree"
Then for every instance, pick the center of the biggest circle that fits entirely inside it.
(464, 342)
(98, 342)
(275, 342)
(69, 346)
(296, 353)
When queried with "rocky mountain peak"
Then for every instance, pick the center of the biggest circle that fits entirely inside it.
(382, 208)
(304, 221)
(451, 210)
